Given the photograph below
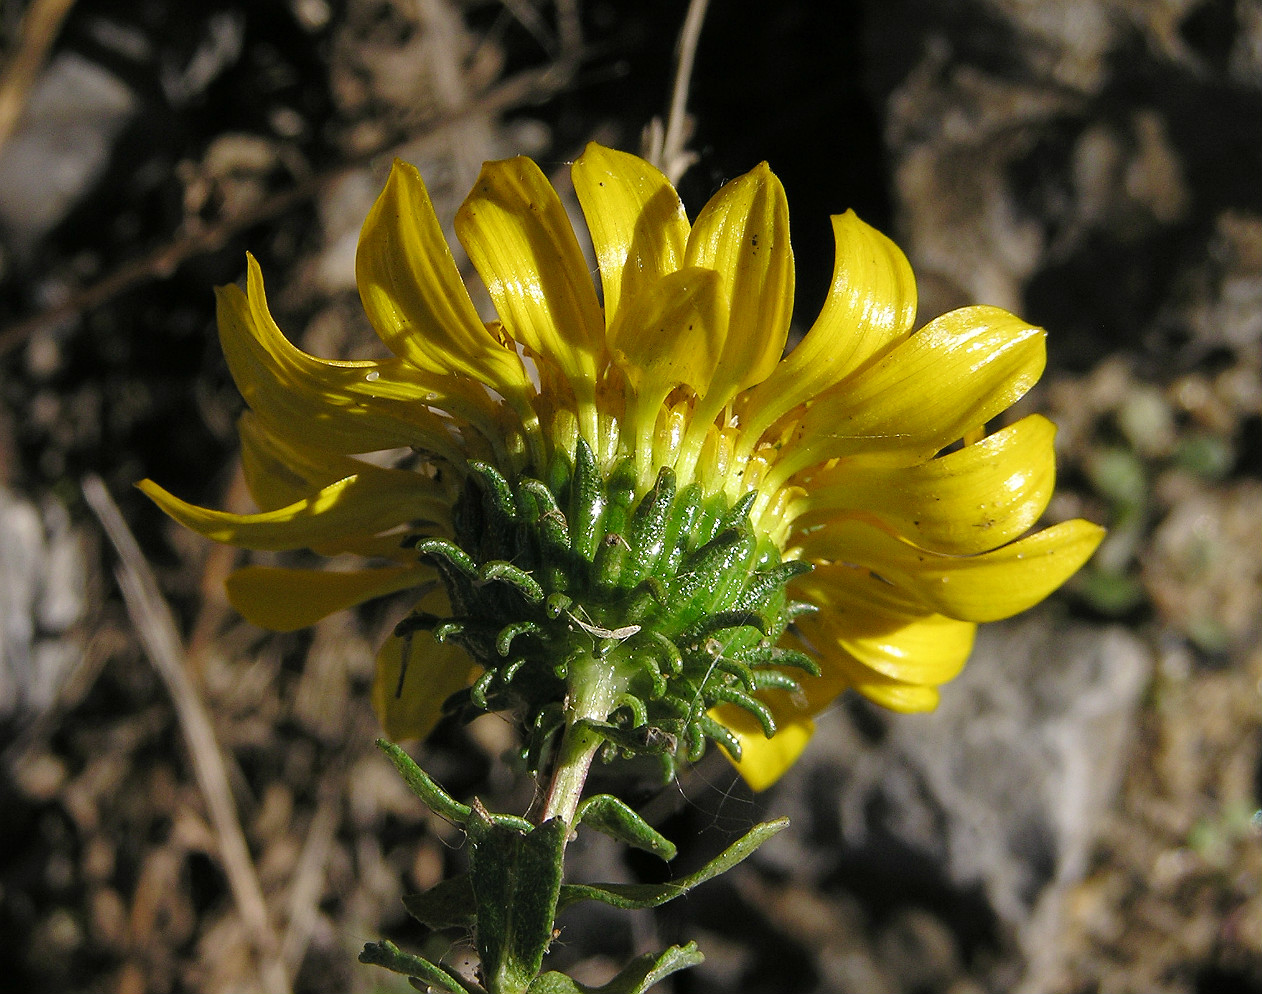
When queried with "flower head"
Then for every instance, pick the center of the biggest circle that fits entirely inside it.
(621, 494)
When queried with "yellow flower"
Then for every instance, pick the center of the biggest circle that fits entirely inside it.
(842, 455)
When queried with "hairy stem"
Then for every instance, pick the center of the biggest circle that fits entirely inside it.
(595, 684)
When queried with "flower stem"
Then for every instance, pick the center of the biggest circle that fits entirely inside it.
(578, 749)
(595, 684)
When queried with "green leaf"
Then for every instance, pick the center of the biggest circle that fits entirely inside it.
(516, 881)
(683, 515)
(448, 904)
(636, 978)
(707, 576)
(388, 955)
(620, 491)
(614, 818)
(423, 786)
(437, 799)
(634, 896)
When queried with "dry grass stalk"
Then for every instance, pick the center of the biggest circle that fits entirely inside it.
(160, 637)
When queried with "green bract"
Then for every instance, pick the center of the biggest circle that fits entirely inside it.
(674, 597)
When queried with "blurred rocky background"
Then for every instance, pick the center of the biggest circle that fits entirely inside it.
(1082, 814)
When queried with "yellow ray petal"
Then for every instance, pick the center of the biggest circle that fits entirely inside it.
(279, 472)
(743, 235)
(637, 222)
(869, 634)
(340, 406)
(927, 650)
(666, 336)
(840, 672)
(956, 373)
(977, 498)
(353, 508)
(986, 587)
(434, 671)
(906, 698)
(414, 295)
(764, 760)
(518, 236)
(285, 600)
(669, 335)
(870, 307)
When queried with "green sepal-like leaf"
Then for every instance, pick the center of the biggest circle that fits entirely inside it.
(621, 491)
(721, 734)
(753, 705)
(635, 896)
(647, 529)
(448, 904)
(587, 502)
(775, 680)
(504, 639)
(765, 581)
(449, 557)
(679, 530)
(518, 579)
(734, 667)
(499, 514)
(706, 575)
(723, 621)
(636, 978)
(636, 706)
(774, 656)
(613, 817)
(516, 879)
(738, 513)
(390, 956)
(630, 740)
(541, 511)
(498, 492)
(611, 560)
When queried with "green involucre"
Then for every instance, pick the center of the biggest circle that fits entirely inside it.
(674, 595)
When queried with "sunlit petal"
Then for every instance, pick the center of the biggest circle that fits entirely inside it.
(972, 500)
(928, 650)
(765, 760)
(986, 587)
(347, 509)
(279, 472)
(340, 406)
(953, 375)
(870, 307)
(888, 692)
(743, 235)
(519, 238)
(637, 222)
(414, 296)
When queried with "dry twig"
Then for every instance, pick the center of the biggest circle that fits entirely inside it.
(525, 87)
(308, 881)
(160, 637)
(670, 156)
(40, 26)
